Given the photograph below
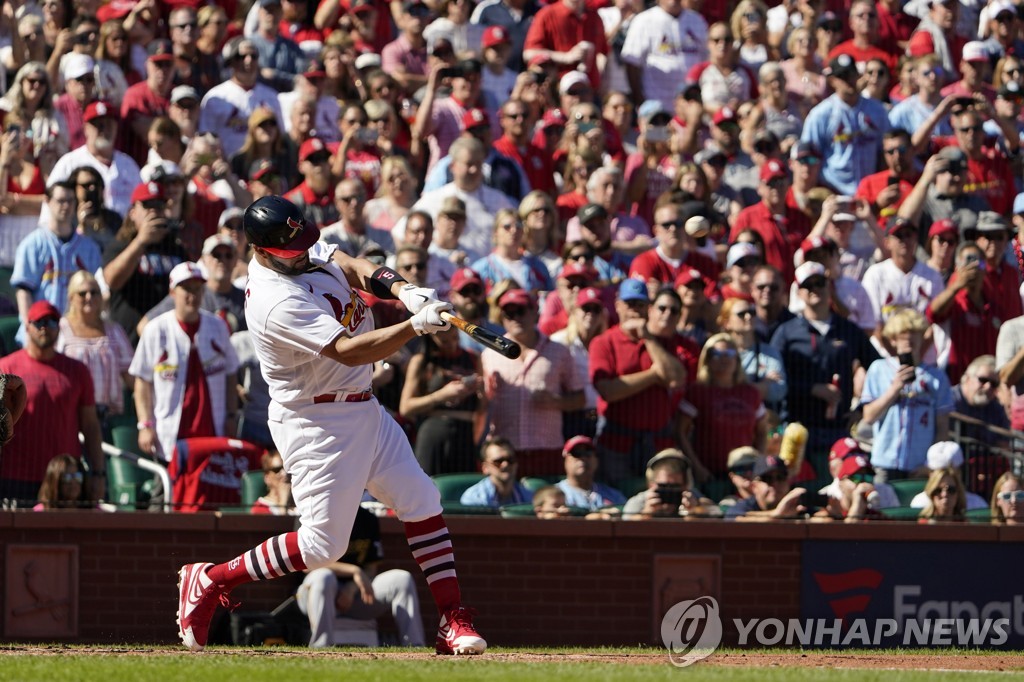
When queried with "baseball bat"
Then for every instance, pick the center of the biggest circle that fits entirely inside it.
(510, 349)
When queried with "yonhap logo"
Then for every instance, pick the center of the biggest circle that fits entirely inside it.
(691, 630)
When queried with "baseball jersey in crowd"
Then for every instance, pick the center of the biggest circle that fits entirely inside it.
(962, 209)
(972, 330)
(107, 357)
(911, 113)
(44, 263)
(990, 176)
(812, 358)
(511, 385)
(726, 418)
(57, 391)
(226, 110)
(874, 184)
(599, 497)
(119, 178)
(146, 286)
(849, 138)
(665, 48)
(558, 28)
(782, 234)
(501, 173)
(295, 318)
(907, 429)
(229, 307)
(890, 289)
(718, 88)
(529, 271)
(206, 473)
(1008, 344)
(162, 359)
(484, 494)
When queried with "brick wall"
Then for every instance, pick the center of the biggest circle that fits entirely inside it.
(567, 582)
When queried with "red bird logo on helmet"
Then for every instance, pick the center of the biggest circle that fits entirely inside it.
(296, 226)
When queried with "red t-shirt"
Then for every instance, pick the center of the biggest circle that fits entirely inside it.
(863, 55)
(207, 472)
(650, 265)
(57, 390)
(568, 203)
(558, 28)
(972, 332)
(139, 101)
(781, 238)
(726, 419)
(893, 29)
(871, 186)
(532, 160)
(35, 186)
(196, 408)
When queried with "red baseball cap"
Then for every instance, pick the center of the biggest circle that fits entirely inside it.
(588, 295)
(41, 310)
(724, 115)
(98, 109)
(474, 117)
(577, 269)
(553, 117)
(687, 275)
(464, 276)
(148, 190)
(843, 448)
(575, 442)
(160, 50)
(816, 242)
(855, 464)
(944, 226)
(495, 35)
(773, 170)
(516, 297)
(310, 147)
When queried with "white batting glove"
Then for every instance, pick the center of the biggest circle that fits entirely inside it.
(416, 298)
(429, 320)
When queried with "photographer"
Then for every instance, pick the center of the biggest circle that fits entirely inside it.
(772, 497)
(907, 403)
(95, 220)
(670, 492)
(137, 264)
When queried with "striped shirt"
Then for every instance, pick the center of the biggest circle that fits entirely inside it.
(107, 358)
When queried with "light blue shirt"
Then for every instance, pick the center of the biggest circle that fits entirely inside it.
(600, 497)
(484, 494)
(911, 113)
(849, 138)
(907, 429)
(760, 360)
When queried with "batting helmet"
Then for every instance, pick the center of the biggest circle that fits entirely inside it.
(278, 226)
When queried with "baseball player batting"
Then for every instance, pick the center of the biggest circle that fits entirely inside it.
(315, 341)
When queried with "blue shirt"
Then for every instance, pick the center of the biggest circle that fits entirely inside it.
(600, 497)
(757, 362)
(911, 113)
(530, 272)
(907, 429)
(849, 138)
(484, 494)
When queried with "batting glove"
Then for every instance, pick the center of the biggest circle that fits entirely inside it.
(429, 320)
(416, 298)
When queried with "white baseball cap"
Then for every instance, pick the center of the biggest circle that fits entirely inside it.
(807, 270)
(945, 454)
(213, 241)
(229, 214)
(77, 65)
(183, 272)
(739, 251)
(975, 51)
(570, 79)
(367, 60)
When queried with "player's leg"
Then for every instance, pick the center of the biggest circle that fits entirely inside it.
(397, 589)
(316, 598)
(397, 480)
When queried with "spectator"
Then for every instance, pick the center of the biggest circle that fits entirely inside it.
(802, 69)
(741, 261)
(95, 220)
(727, 411)
(975, 68)
(184, 109)
(976, 396)
(352, 587)
(280, 58)
(356, 156)
(886, 190)
(529, 395)
(652, 168)
(537, 212)
(588, 319)
(499, 487)
(943, 238)
(226, 107)
(278, 500)
(570, 34)
(772, 498)
(192, 67)
(863, 47)
(558, 307)
(184, 369)
(30, 99)
(595, 230)
(59, 405)
(62, 485)
(1010, 364)
(738, 170)
(824, 355)
(692, 315)
(550, 503)
(181, 206)
(263, 141)
(936, 34)
(79, 74)
(497, 79)
(947, 500)
(942, 455)
(515, 145)
(988, 164)
(992, 235)
(147, 100)
(207, 472)
(916, 111)
(907, 401)
(670, 491)
(314, 195)
(769, 309)
(843, 449)
(1008, 500)
(508, 260)
(100, 345)
(848, 295)
(854, 498)
(443, 395)
(21, 189)
(782, 116)
(662, 264)
(351, 233)
(213, 24)
(847, 128)
(119, 171)
(654, 71)
(405, 58)
(579, 486)
(724, 82)
(761, 362)
(741, 474)
(939, 194)
(967, 314)
(213, 185)
(395, 197)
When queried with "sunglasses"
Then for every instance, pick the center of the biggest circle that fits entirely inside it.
(809, 160)
(672, 225)
(87, 293)
(970, 129)
(223, 255)
(1014, 495)
(748, 262)
(46, 323)
(579, 256)
(862, 477)
(772, 480)
(814, 284)
(502, 460)
(76, 477)
(275, 470)
(948, 489)
(767, 287)
(948, 241)
(349, 200)
(592, 309)
(671, 309)
(471, 290)
(744, 314)
(190, 24)
(317, 159)
(716, 353)
(513, 311)
(418, 265)
(988, 381)
(897, 150)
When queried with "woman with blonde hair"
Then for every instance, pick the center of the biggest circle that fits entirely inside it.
(1008, 500)
(761, 362)
(396, 195)
(114, 71)
(749, 25)
(537, 211)
(213, 27)
(30, 99)
(263, 140)
(728, 412)
(803, 68)
(947, 498)
(101, 346)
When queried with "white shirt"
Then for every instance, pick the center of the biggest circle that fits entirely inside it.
(666, 48)
(325, 124)
(226, 108)
(481, 206)
(119, 178)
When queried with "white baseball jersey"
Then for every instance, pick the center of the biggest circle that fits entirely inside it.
(293, 318)
(665, 48)
(162, 360)
(226, 109)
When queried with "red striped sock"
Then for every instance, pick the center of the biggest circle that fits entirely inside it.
(272, 559)
(432, 548)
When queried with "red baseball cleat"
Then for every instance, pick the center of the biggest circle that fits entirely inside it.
(456, 634)
(198, 597)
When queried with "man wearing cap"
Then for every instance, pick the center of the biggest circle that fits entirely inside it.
(741, 261)
(853, 497)
(60, 405)
(662, 44)
(805, 168)
(1003, 30)
(137, 263)
(939, 194)
(184, 369)
(781, 227)
(1006, 108)
(280, 58)
(147, 100)
(529, 395)
(975, 65)
(675, 250)
(967, 312)
(847, 128)
(405, 58)
(119, 171)
(849, 298)
(468, 295)
(448, 228)
(571, 34)
(887, 189)
(863, 45)
(726, 199)
(351, 232)
(573, 278)
(310, 85)
(79, 73)
(823, 354)
(740, 464)
(669, 492)
(620, 235)
(579, 486)
(226, 108)
(771, 496)
(497, 79)
(313, 195)
(514, 17)
(192, 66)
(1002, 274)
(739, 171)
(220, 296)
(936, 34)
(184, 110)
(515, 145)
(651, 169)
(843, 449)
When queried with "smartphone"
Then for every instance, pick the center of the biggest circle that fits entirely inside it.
(670, 494)
(907, 360)
(14, 129)
(367, 135)
(94, 197)
(449, 72)
(657, 134)
(963, 102)
(893, 180)
(175, 224)
(538, 77)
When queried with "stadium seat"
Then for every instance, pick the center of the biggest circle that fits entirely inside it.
(453, 485)
(983, 515)
(8, 329)
(129, 486)
(253, 487)
(902, 513)
(456, 508)
(126, 437)
(906, 489)
(631, 486)
(517, 510)
(533, 483)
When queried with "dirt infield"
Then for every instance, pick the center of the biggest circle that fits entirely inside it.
(793, 659)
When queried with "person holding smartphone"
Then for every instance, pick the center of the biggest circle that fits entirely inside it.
(906, 401)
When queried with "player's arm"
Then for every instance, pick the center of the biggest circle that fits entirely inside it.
(383, 282)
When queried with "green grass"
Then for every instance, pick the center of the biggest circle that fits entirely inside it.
(58, 663)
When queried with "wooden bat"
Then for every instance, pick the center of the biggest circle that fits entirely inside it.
(510, 349)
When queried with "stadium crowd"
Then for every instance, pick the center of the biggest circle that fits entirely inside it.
(702, 220)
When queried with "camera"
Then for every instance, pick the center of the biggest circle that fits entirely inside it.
(175, 223)
(450, 72)
(670, 494)
(80, 39)
(657, 134)
(367, 135)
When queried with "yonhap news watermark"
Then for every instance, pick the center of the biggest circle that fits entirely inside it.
(693, 629)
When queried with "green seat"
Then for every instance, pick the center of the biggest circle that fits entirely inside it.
(453, 485)
(253, 488)
(455, 508)
(533, 483)
(983, 515)
(517, 510)
(715, 489)
(126, 437)
(8, 329)
(631, 486)
(129, 486)
(902, 513)
(908, 488)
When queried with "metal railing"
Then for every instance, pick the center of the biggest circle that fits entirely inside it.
(144, 464)
(988, 451)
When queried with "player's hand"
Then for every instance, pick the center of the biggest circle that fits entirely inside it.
(362, 581)
(429, 320)
(416, 298)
